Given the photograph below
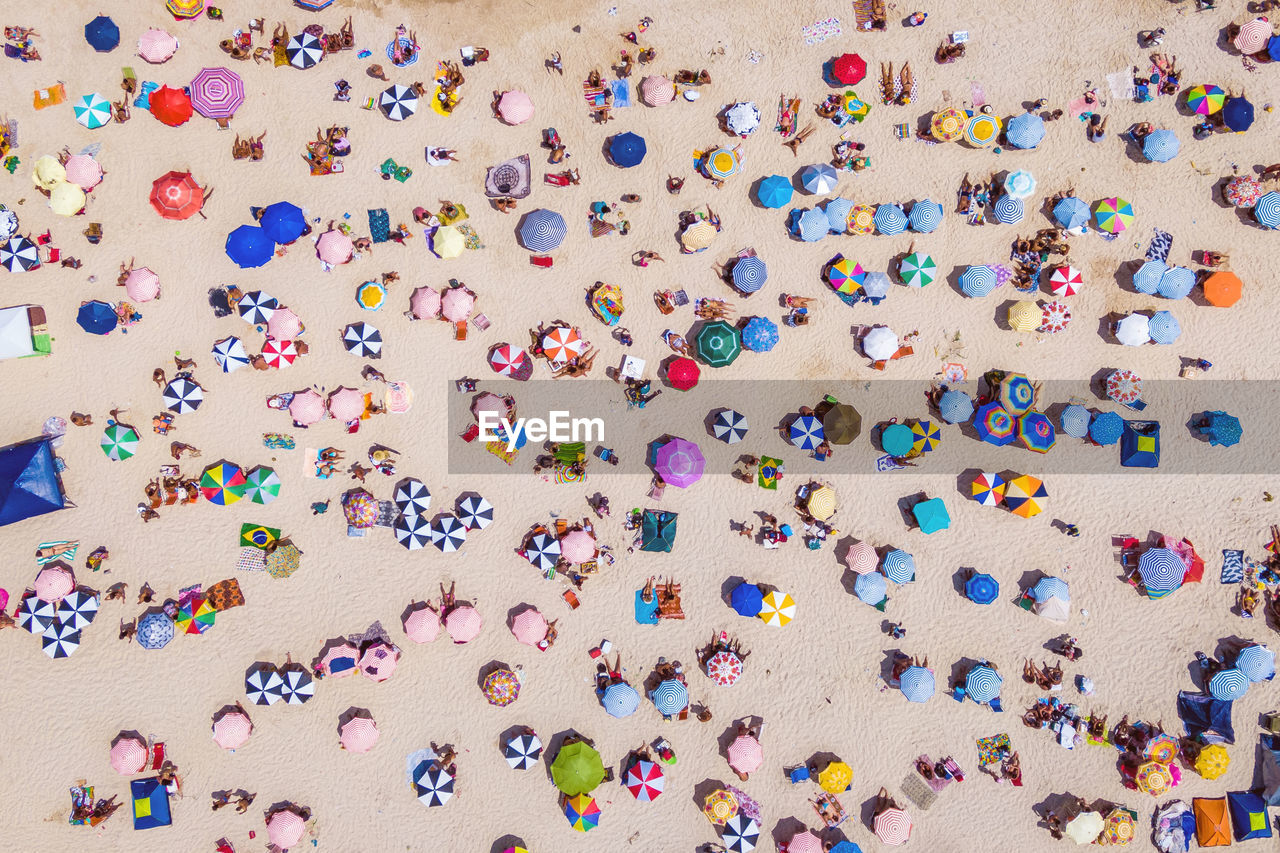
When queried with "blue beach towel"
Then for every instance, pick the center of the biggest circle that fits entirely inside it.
(621, 93)
(145, 88)
(1232, 565)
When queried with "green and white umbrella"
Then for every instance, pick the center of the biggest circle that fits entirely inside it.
(93, 111)
(918, 269)
(119, 441)
(262, 485)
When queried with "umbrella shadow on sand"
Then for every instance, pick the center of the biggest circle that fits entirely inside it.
(507, 842)
(488, 669)
(704, 789)
(786, 829)
(1065, 805)
(961, 577)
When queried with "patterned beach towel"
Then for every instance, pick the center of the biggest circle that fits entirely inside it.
(820, 31)
(1232, 565)
(1160, 245)
(379, 225)
(621, 93)
(994, 749)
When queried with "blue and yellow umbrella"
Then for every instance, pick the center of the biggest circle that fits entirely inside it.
(994, 425)
(925, 436)
(1036, 432)
(721, 163)
(1017, 394)
(982, 130)
(222, 483)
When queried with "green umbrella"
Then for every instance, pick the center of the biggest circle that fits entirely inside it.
(262, 486)
(577, 769)
(718, 343)
(841, 424)
(917, 269)
(119, 441)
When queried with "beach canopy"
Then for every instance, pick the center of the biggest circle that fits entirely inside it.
(1140, 445)
(1249, 817)
(774, 192)
(627, 149)
(981, 588)
(658, 531)
(577, 769)
(1024, 131)
(150, 804)
(1213, 826)
(250, 246)
(819, 178)
(542, 230)
(217, 92)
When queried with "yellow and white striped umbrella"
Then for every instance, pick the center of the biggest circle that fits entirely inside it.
(778, 609)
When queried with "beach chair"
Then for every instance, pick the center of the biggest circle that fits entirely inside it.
(958, 694)
(460, 330)
(798, 774)
(996, 706)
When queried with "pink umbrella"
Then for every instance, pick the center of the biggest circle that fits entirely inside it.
(379, 661)
(156, 46)
(217, 92)
(488, 402)
(804, 842)
(861, 558)
(679, 462)
(285, 828)
(577, 546)
(334, 248)
(307, 408)
(284, 325)
(422, 624)
(231, 730)
(142, 284)
(128, 754)
(515, 107)
(656, 91)
(346, 404)
(424, 303)
(745, 754)
(340, 660)
(529, 626)
(358, 735)
(463, 624)
(83, 171)
(54, 583)
(1253, 36)
(456, 304)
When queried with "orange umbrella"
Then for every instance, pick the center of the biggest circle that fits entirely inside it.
(171, 106)
(176, 195)
(1222, 289)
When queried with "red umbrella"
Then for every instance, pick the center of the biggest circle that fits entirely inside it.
(176, 195)
(683, 373)
(171, 106)
(849, 69)
(645, 781)
(279, 354)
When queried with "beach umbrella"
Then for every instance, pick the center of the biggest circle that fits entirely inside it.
(176, 195)
(819, 178)
(1017, 394)
(845, 276)
(890, 219)
(1065, 280)
(880, 343)
(257, 307)
(917, 269)
(1147, 278)
(262, 485)
(1085, 827)
(370, 295)
(284, 561)
(363, 340)
(774, 192)
(577, 546)
(577, 769)
(1160, 146)
(982, 684)
(298, 684)
(425, 302)
(724, 668)
(745, 755)
(805, 432)
(448, 242)
(1162, 571)
(721, 163)
(1253, 36)
(307, 408)
(398, 102)
(861, 558)
(821, 503)
(283, 222)
(285, 827)
(1164, 328)
(917, 684)
(1134, 330)
(170, 106)
(501, 687)
(718, 344)
(931, 515)
(644, 780)
(925, 216)
(1222, 429)
(358, 734)
(432, 784)
(1071, 213)
(1205, 99)
(1257, 662)
(249, 246)
(925, 436)
(1162, 748)
(1074, 421)
(263, 684)
(1212, 761)
(529, 626)
(9, 219)
(698, 236)
(892, 826)
(760, 334)
(837, 211)
(656, 91)
(183, 396)
(740, 834)
(730, 426)
(102, 34)
(217, 92)
(304, 51)
(119, 441)
(66, 199)
(54, 582)
(897, 440)
(182, 9)
(334, 248)
(1024, 131)
(841, 424)
(876, 284)
(582, 812)
(475, 512)
(982, 130)
(422, 623)
(1153, 778)
(679, 462)
(743, 118)
(812, 225)
(720, 805)
(1048, 588)
(749, 274)
(899, 566)
(1106, 428)
(523, 751)
(154, 630)
(1025, 495)
(981, 588)
(871, 589)
(1020, 184)
(777, 609)
(1008, 210)
(542, 230)
(849, 69)
(1113, 215)
(988, 488)
(948, 125)
(1025, 316)
(562, 344)
(746, 599)
(515, 107)
(448, 533)
(543, 551)
(1222, 289)
(93, 111)
(340, 659)
(1036, 432)
(1119, 827)
(222, 483)
(196, 616)
(627, 149)
(1241, 191)
(862, 219)
(995, 425)
(670, 697)
(230, 354)
(379, 660)
(1267, 210)
(231, 729)
(35, 614)
(835, 778)
(1176, 283)
(346, 404)
(59, 640)
(978, 280)
(79, 607)
(156, 46)
(620, 700)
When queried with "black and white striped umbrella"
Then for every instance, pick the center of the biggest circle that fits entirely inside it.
(412, 497)
(304, 51)
(60, 639)
(543, 551)
(230, 354)
(183, 396)
(363, 340)
(432, 783)
(35, 614)
(448, 533)
(730, 426)
(256, 307)
(398, 102)
(263, 685)
(740, 834)
(475, 512)
(523, 751)
(413, 531)
(19, 254)
(78, 608)
(297, 685)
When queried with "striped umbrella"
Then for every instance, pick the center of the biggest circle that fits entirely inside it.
(917, 684)
(948, 125)
(620, 700)
(871, 588)
(1162, 571)
(925, 216)
(412, 497)
(1071, 212)
(262, 684)
(1065, 280)
(861, 558)
(1176, 283)
(119, 442)
(156, 46)
(805, 432)
(1164, 327)
(890, 219)
(777, 609)
(93, 111)
(981, 588)
(1257, 662)
(819, 178)
(812, 225)
(77, 608)
(670, 697)
(730, 426)
(955, 407)
(262, 485)
(304, 51)
(34, 614)
(1025, 496)
(59, 640)
(1113, 215)
(1050, 587)
(217, 92)
(1025, 316)
(760, 334)
(982, 130)
(718, 344)
(543, 551)
(432, 784)
(412, 531)
(542, 231)
(475, 512)
(1253, 36)
(994, 425)
(1024, 131)
(899, 566)
(978, 280)
(983, 684)
(85, 172)
(722, 163)
(515, 107)
(925, 436)
(222, 483)
(1008, 210)
(893, 826)
(749, 274)
(917, 269)
(1160, 146)
(1229, 685)
(230, 354)
(562, 344)
(656, 91)
(279, 354)
(362, 339)
(644, 780)
(1106, 428)
(805, 842)
(1267, 210)
(988, 488)
(256, 307)
(1147, 278)
(740, 834)
(1205, 99)
(837, 211)
(1074, 421)
(183, 396)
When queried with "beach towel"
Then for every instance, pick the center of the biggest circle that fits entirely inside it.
(60, 550)
(888, 463)
(251, 560)
(1121, 85)
(863, 13)
(508, 178)
(621, 92)
(593, 95)
(937, 783)
(388, 512)
(379, 225)
(978, 95)
(225, 594)
(1232, 565)
(914, 789)
(820, 31)
(767, 478)
(144, 94)
(257, 536)
(646, 612)
(1158, 250)
(81, 798)
(994, 749)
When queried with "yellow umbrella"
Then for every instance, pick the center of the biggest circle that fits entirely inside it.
(720, 806)
(1153, 778)
(948, 125)
(836, 777)
(1085, 827)
(48, 173)
(698, 236)
(777, 609)
(1213, 761)
(822, 503)
(448, 241)
(66, 199)
(1025, 316)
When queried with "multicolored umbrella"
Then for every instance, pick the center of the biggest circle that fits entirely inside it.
(196, 616)
(948, 125)
(720, 806)
(862, 219)
(1123, 386)
(917, 269)
(1113, 215)
(222, 483)
(1162, 748)
(995, 425)
(1153, 778)
(582, 812)
(1025, 495)
(370, 295)
(724, 668)
(1036, 432)
(93, 111)
(262, 485)
(217, 92)
(501, 687)
(1243, 191)
(119, 441)
(982, 130)
(845, 276)
(988, 488)
(1205, 99)
(1119, 828)
(645, 781)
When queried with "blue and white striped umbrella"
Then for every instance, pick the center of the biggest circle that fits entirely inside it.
(819, 179)
(670, 697)
(1074, 421)
(1050, 587)
(890, 219)
(1176, 283)
(917, 684)
(812, 225)
(749, 274)
(806, 432)
(1008, 210)
(983, 684)
(1161, 570)
(871, 588)
(542, 230)
(899, 566)
(837, 211)
(1267, 210)
(978, 281)
(1229, 685)
(620, 700)
(1164, 328)
(925, 216)
(1071, 212)
(760, 334)
(1024, 131)
(1258, 663)
(955, 407)
(1147, 278)
(1160, 146)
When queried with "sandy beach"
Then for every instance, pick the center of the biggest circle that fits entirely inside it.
(818, 684)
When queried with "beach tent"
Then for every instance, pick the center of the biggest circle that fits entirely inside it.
(1051, 599)
(29, 481)
(17, 338)
(1202, 714)
(931, 515)
(150, 804)
(1248, 815)
(1212, 826)
(1140, 445)
(658, 530)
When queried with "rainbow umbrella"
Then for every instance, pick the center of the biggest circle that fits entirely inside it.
(222, 483)
(1113, 215)
(948, 125)
(994, 425)
(917, 269)
(1205, 99)
(582, 812)
(926, 436)
(1036, 432)
(196, 616)
(845, 276)
(982, 130)
(1162, 748)
(988, 488)
(1017, 394)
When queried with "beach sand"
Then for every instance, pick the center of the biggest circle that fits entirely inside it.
(815, 683)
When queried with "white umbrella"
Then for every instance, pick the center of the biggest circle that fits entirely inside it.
(743, 118)
(880, 343)
(475, 512)
(1134, 330)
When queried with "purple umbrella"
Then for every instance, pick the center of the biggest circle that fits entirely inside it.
(680, 463)
(217, 92)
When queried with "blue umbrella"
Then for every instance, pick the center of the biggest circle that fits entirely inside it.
(917, 684)
(955, 407)
(627, 149)
(981, 589)
(542, 230)
(1075, 421)
(746, 599)
(806, 432)
(102, 34)
(749, 274)
(283, 222)
(249, 246)
(1267, 210)
(760, 334)
(1160, 146)
(890, 219)
(1107, 427)
(925, 216)
(1164, 327)
(1050, 587)
(1237, 114)
(983, 684)
(1024, 131)
(978, 280)
(1176, 283)
(97, 317)
(899, 566)
(1229, 685)
(620, 700)
(1258, 663)
(1273, 48)
(819, 178)
(837, 211)
(1071, 212)
(871, 588)
(995, 425)
(896, 440)
(1140, 445)
(154, 630)
(1008, 210)
(775, 192)
(811, 225)
(1147, 278)
(670, 697)
(1223, 430)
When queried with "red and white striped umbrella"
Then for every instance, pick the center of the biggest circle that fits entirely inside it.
(54, 583)
(724, 668)
(284, 325)
(346, 404)
(156, 46)
(463, 624)
(232, 730)
(286, 828)
(515, 107)
(422, 625)
(893, 826)
(861, 558)
(508, 360)
(334, 247)
(425, 303)
(656, 91)
(142, 284)
(128, 754)
(577, 546)
(358, 735)
(279, 354)
(1066, 281)
(307, 408)
(645, 781)
(745, 754)
(83, 171)
(340, 660)
(561, 344)
(529, 626)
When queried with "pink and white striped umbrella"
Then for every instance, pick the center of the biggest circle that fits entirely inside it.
(577, 546)
(285, 828)
(358, 735)
(379, 661)
(128, 754)
(893, 826)
(804, 842)
(54, 583)
(83, 171)
(334, 247)
(425, 303)
(861, 558)
(307, 408)
(1253, 36)
(279, 354)
(456, 304)
(529, 626)
(284, 325)
(346, 404)
(1066, 281)
(217, 92)
(745, 754)
(515, 107)
(422, 625)
(463, 624)
(232, 730)
(508, 360)
(142, 284)
(340, 660)
(656, 91)
(156, 46)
